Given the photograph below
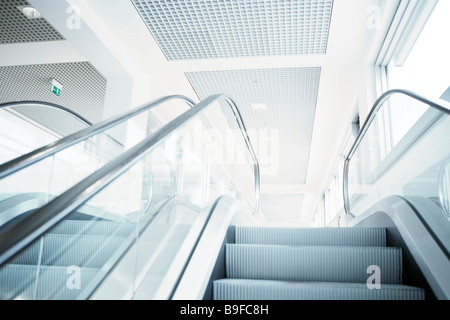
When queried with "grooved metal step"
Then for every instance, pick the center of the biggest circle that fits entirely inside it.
(232, 289)
(112, 228)
(65, 250)
(312, 263)
(41, 271)
(375, 237)
(87, 227)
(271, 263)
(28, 282)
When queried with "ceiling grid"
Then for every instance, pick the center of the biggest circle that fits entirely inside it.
(17, 28)
(202, 29)
(289, 95)
(83, 90)
(188, 30)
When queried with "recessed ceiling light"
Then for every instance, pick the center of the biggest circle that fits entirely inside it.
(29, 12)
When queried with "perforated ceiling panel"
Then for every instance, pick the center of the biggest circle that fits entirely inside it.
(83, 88)
(278, 107)
(15, 27)
(199, 29)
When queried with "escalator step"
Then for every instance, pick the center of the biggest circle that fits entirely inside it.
(28, 282)
(312, 263)
(86, 227)
(65, 250)
(232, 289)
(312, 236)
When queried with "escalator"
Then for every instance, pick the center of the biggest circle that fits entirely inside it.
(169, 216)
(132, 214)
(25, 127)
(391, 243)
(76, 254)
(403, 185)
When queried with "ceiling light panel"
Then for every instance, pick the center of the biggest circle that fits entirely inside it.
(202, 29)
(15, 27)
(30, 12)
(282, 131)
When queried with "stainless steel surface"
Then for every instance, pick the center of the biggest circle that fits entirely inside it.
(41, 153)
(16, 237)
(444, 191)
(45, 104)
(440, 105)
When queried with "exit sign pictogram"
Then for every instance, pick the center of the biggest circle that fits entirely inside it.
(56, 87)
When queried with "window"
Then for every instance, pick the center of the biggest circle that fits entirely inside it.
(331, 206)
(426, 69)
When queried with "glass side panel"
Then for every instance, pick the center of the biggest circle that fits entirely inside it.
(24, 128)
(44, 180)
(131, 237)
(403, 159)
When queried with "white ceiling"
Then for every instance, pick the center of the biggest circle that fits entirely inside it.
(116, 40)
(17, 28)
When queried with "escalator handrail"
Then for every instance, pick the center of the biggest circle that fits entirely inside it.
(249, 146)
(437, 104)
(41, 153)
(45, 104)
(443, 188)
(14, 238)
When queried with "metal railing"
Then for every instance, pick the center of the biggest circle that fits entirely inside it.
(16, 237)
(440, 105)
(30, 158)
(444, 188)
(45, 104)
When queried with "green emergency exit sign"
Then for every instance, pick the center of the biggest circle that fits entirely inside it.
(55, 90)
(56, 87)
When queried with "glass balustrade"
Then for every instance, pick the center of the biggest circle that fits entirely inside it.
(132, 235)
(28, 189)
(403, 151)
(25, 127)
